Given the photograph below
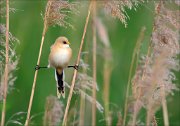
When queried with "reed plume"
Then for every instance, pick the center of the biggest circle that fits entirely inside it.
(116, 8)
(153, 81)
(53, 111)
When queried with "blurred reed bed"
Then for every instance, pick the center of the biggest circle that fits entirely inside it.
(133, 64)
(77, 63)
(151, 77)
(154, 77)
(94, 63)
(107, 66)
(8, 58)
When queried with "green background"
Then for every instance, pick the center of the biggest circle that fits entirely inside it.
(27, 24)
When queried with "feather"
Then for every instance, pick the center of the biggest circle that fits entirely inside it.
(59, 77)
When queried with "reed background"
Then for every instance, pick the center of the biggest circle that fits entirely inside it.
(26, 24)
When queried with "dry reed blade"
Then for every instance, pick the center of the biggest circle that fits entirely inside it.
(107, 70)
(139, 41)
(135, 113)
(75, 71)
(82, 109)
(107, 66)
(137, 47)
(6, 66)
(164, 106)
(38, 62)
(94, 65)
(82, 97)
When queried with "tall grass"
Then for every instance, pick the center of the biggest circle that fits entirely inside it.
(77, 63)
(38, 61)
(5, 86)
(94, 65)
(151, 75)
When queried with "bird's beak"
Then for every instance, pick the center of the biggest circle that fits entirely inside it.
(68, 42)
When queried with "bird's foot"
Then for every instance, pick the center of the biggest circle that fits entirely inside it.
(37, 67)
(75, 67)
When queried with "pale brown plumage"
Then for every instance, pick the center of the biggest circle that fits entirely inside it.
(59, 58)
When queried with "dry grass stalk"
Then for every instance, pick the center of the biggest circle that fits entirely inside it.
(154, 122)
(94, 65)
(137, 47)
(38, 61)
(53, 16)
(164, 106)
(6, 66)
(136, 109)
(82, 97)
(75, 71)
(106, 78)
(82, 109)
(120, 120)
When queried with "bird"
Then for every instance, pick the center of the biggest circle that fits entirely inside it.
(59, 58)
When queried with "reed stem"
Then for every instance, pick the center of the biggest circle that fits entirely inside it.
(82, 97)
(164, 106)
(75, 71)
(38, 62)
(5, 86)
(139, 41)
(94, 65)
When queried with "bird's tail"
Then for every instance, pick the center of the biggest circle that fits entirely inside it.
(60, 84)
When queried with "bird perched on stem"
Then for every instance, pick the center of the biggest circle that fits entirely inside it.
(59, 58)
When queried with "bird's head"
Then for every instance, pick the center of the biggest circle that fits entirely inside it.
(62, 42)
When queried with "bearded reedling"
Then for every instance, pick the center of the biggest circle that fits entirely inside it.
(59, 58)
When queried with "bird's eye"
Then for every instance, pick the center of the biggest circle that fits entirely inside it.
(64, 42)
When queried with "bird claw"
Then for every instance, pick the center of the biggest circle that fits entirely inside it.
(76, 67)
(37, 67)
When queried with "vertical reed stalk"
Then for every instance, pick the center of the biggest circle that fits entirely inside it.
(38, 62)
(5, 86)
(106, 77)
(164, 106)
(82, 108)
(82, 99)
(137, 47)
(94, 65)
(75, 71)
(139, 41)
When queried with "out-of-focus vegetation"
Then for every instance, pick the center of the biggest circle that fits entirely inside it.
(26, 24)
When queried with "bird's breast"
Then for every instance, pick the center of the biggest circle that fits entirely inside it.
(60, 57)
